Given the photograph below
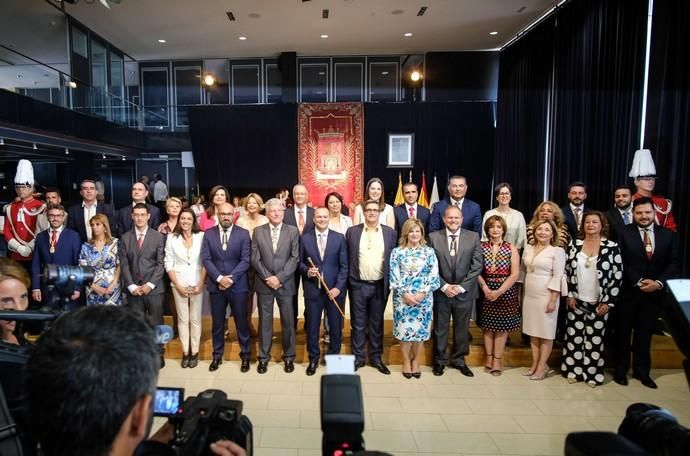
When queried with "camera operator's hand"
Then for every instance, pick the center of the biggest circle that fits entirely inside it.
(36, 294)
(227, 448)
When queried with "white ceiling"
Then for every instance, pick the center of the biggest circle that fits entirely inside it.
(201, 29)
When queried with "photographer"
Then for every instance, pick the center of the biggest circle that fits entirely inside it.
(90, 384)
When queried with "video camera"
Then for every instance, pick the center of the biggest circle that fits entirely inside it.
(202, 420)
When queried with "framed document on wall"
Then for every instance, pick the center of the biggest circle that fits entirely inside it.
(400, 150)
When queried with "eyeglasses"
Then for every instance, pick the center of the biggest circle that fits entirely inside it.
(225, 214)
(55, 215)
(371, 210)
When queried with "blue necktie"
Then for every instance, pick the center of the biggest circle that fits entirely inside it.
(626, 218)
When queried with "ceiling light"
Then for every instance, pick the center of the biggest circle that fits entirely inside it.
(2, 141)
(71, 84)
(408, 34)
(384, 73)
(324, 36)
(123, 158)
(162, 41)
(66, 151)
(35, 147)
(209, 80)
(493, 33)
(242, 38)
(415, 76)
(104, 157)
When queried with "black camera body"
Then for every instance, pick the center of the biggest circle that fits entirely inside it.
(207, 418)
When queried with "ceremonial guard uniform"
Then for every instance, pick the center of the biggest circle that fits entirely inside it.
(644, 173)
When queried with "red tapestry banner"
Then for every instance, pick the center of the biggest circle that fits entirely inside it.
(331, 150)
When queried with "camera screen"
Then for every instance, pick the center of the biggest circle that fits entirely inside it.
(167, 401)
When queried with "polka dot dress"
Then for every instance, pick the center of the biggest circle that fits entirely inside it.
(504, 313)
(584, 344)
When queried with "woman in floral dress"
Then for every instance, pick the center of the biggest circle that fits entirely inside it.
(100, 252)
(413, 279)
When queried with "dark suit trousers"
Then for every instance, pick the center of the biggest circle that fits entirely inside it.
(238, 305)
(266, 325)
(315, 307)
(367, 304)
(637, 313)
(150, 305)
(446, 308)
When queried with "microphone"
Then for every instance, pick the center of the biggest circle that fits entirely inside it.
(164, 334)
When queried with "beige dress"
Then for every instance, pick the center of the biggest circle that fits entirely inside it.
(542, 274)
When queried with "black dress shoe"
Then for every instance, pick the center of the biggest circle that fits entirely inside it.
(214, 364)
(464, 370)
(407, 375)
(646, 380)
(162, 362)
(438, 369)
(381, 368)
(185, 361)
(311, 369)
(262, 367)
(358, 364)
(245, 365)
(193, 360)
(621, 380)
(289, 366)
(417, 374)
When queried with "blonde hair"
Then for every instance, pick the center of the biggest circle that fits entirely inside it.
(173, 199)
(10, 269)
(554, 232)
(405, 231)
(103, 220)
(257, 198)
(558, 217)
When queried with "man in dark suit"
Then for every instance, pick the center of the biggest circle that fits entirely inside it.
(369, 247)
(141, 253)
(225, 254)
(460, 262)
(124, 215)
(301, 216)
(275, 258)
(471, 213)
(620, 214)
(56, 245)
(575, 210)
(410, 209)
(80, 214)
(650, 258)
(328, 251)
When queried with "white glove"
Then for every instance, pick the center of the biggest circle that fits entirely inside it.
(24, 250)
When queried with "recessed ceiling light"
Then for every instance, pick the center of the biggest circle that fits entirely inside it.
(242, 38)
(162, 41)
(324, 36)
(384, 73)
(493, 33)
(408, 34)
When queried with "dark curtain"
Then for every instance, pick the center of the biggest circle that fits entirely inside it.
(524, 78)
(667, 132)
(450, 138)
(247, 148)
(254, 148)
(599, 71)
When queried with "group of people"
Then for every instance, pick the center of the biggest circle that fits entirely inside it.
(442, 267)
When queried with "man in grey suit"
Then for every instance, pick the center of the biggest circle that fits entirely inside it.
(460, 261)
(142, 251)
(275, 257)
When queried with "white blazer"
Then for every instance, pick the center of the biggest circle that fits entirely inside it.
(186, 263)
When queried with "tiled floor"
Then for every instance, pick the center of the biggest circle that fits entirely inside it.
(451, 414)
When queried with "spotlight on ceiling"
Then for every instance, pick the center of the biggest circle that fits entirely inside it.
(415, 76)
(242, 38)
(123, 158)
(2, 141)
(209, 80)
(66, 151)
(493, 33)
(104, 157)
(408, 34)
(35, 147)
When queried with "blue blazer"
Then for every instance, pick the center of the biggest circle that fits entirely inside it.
(471, 216)
(401, 216)
(234, 261)
(66, 252)
(353, 236)
(333, 267)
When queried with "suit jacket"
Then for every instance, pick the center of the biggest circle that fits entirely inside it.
(468, 262)
(139, 267)
(333, 267)
(401, 216)
(353, 237)
(124, 219)
(234, 261)
(308, 218)
(76, 222)
(66, 252)
(282, 264)
(570, 219)
(471, 216)
(665, 261)
(616, 224)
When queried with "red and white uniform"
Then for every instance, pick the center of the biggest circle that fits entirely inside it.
(662, 211)
(20, 226)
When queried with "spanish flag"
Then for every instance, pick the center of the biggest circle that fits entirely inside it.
(422, 201)
(399, 194)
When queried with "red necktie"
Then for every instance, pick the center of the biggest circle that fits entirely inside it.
(53, 241)
(140, 241)
(411, 212)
